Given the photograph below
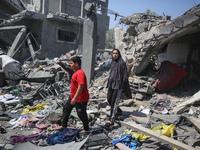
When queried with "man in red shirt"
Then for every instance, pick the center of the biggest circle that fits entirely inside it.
(79, 95)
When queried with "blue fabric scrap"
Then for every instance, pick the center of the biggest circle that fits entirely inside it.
(66, 136)
(128, 140)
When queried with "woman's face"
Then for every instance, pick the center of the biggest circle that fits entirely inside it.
(115, 54)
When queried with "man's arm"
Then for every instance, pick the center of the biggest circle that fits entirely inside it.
(78, 92)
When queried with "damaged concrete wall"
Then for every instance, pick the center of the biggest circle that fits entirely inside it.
(176, 53)
(71, 7)
(155, 33)
(61, 46)
(56, 24)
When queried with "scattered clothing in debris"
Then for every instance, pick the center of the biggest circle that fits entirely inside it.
(128, 140)
(22, 138)
(32, 110)
(168, 76)
(66, 136)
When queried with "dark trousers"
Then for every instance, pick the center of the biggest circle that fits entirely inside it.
(111, 97)
(81, 111)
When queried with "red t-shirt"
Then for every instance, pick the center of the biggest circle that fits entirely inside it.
(78, 78)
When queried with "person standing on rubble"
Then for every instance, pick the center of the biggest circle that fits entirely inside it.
(79, 95)
(118, 80)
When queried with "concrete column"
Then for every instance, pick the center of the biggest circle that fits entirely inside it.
(89, 45)
(44, 38)
(32, 52)
(82, 8)
(62, 6)
(45, 7)
(16, 43)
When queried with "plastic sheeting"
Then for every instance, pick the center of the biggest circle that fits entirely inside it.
(167, 130)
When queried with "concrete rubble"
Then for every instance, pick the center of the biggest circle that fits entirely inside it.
(148, 111)
(34, 88)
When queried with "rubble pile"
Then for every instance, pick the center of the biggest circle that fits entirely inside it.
(33, 106)
(163, 114)
(152, 35)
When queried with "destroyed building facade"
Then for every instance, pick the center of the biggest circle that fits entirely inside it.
(52, 27)
(173, 40)
(161, 111)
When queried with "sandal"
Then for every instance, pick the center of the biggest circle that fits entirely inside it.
(2, 130)
(108, 124)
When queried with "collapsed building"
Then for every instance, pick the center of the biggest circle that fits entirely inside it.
(46, 29)
(32, 107)
(174, 40)
(53, 27)
(155, 40)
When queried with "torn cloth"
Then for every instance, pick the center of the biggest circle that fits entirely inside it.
(127, 140)
(30, 109)
(43, 127)
(66, 136)
(22, 138)
(169, 75)
(45, 112)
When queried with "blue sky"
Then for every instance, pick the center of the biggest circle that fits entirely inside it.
(173, 8)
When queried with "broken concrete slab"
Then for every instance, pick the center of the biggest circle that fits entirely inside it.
(189, 18)
(178, 23)
(167, 29)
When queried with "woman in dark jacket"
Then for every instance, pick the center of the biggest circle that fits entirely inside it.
(117, 82)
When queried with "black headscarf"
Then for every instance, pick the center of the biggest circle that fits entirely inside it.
(118, 75)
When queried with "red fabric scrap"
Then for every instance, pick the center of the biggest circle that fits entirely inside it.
(170, 76)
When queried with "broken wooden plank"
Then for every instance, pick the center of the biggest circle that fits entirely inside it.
(195, 122)
(180, 108)
(122, 146)
(158, 136)
(140, 119)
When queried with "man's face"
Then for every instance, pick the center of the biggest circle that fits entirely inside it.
(115, 54)
(73, 65)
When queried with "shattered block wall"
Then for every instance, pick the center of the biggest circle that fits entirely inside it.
(155, 35)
